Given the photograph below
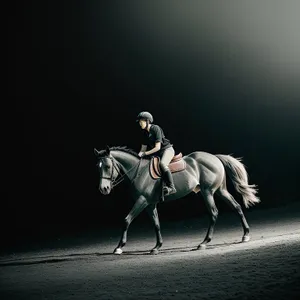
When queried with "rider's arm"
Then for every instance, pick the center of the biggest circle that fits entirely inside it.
(155, 149)
(158, 139)
(143, 149)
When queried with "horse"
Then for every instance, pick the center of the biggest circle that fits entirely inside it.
(199, 172)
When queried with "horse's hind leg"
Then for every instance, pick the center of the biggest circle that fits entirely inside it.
(228, 198)
(213, 212)
(152, 211)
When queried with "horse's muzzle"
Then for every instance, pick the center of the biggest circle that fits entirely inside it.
(105, 190)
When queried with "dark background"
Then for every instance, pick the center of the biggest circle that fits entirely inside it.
(221, 77)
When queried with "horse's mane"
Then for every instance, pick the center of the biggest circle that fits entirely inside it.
(119, 148)
(124, 149)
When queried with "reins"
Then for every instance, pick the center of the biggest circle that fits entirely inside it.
(115, 182)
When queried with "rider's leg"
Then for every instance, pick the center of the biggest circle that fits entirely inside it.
(167, 156)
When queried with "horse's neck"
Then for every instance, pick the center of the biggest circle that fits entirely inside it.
(125, 160)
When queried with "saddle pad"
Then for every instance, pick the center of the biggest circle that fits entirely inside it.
(175, 166)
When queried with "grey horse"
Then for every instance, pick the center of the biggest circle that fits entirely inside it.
(203, 172)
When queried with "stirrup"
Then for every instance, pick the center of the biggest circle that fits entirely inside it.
(169, 190)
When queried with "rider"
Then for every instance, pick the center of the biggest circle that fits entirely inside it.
(155, 139)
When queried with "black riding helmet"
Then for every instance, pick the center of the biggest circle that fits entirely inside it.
(144, 115)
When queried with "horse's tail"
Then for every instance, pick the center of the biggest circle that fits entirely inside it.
(238, 174)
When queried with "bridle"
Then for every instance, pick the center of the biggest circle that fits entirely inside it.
(115, 182)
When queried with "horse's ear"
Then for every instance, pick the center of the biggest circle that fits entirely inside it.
(107, 150)
(96, 152)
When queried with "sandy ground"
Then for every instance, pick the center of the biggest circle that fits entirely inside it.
(267, 267)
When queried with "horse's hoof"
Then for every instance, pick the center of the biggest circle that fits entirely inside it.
(118, 251)
(246, 238)
(154, 251)
(202, 247)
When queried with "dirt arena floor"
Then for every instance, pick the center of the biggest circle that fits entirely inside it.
(266, 267)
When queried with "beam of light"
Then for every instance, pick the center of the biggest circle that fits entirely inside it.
(254, 44)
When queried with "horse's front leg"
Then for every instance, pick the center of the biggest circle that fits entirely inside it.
(138, 207)
(152, 211)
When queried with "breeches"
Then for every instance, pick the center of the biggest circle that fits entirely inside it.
(166, 158)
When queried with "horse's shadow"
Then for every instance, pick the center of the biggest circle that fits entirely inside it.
(51, 259)
(85, 256)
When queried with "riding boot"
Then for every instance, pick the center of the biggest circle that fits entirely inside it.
(169, 187)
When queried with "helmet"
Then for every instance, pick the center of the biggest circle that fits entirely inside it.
(145, 115)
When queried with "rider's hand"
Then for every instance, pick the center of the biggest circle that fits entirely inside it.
(142, 154)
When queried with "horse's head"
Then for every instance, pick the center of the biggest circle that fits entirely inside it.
(108, 170)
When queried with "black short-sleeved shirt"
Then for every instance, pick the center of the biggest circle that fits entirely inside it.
(154, 136)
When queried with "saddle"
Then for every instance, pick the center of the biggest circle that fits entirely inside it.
(177, 164)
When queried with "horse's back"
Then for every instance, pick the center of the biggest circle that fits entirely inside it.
(202, 155)
(206, 159)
